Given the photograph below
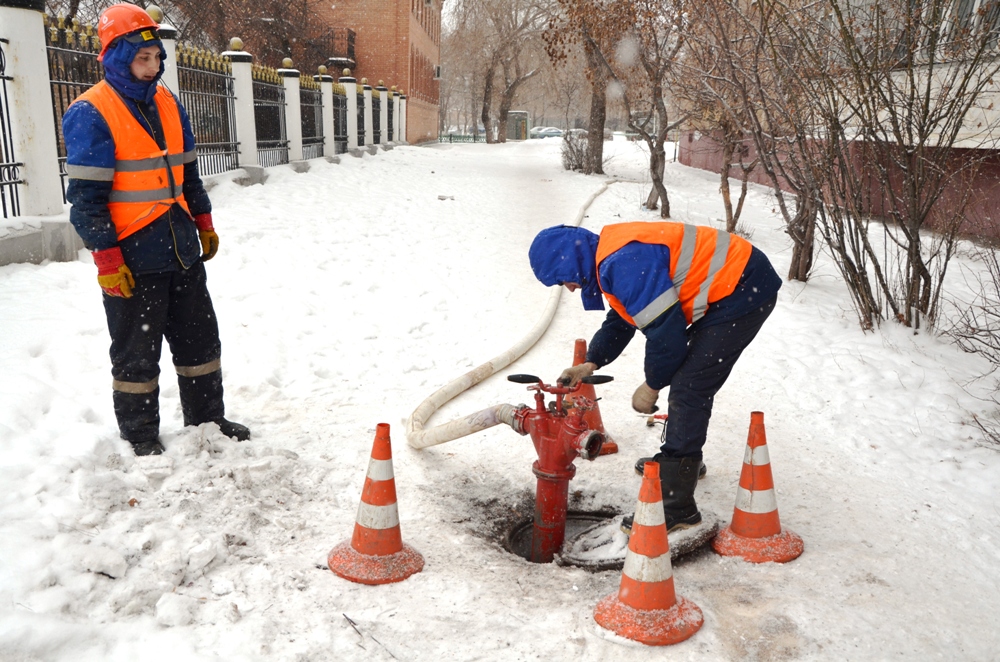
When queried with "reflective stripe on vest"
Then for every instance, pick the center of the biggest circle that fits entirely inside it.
(705, 266)
(146, 180)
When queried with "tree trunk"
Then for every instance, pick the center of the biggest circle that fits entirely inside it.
(594, 163)
(657, 162)
(727, 201)
(802, 230)
(487, 105)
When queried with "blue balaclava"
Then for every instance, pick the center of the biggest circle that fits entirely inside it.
(564, 254)
(117, 60)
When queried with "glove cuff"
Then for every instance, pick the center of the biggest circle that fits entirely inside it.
(108, 260)
(204, 222)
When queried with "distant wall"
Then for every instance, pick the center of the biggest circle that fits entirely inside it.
(982, 217)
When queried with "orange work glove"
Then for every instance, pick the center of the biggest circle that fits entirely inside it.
(112, 275)
(209, 240)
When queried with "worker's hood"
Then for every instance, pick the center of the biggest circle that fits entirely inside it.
(564, 254)
(117, 70)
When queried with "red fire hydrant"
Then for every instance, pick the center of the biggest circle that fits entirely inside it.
(559, 437)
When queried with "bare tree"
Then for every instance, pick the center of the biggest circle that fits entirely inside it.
(708, 100)
(271, 29)
(567, 31)
(504, 31)
(900, 88)
(636, 43)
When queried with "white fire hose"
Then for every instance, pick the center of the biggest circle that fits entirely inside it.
(418, 437)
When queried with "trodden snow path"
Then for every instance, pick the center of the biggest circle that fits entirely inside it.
(348, 294)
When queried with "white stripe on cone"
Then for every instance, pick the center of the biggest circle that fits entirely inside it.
(757, 502)
(645, 569)
(378, 517)
(649, 514)
(756, 456)
(380, 469)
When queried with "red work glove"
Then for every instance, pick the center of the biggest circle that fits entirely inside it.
(112, 275)
(209, 240)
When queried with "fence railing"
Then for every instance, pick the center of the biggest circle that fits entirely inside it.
(10, 178)
(462, 138)
(269, 117)
(311, 104)
(339, 118)
(206, 90)
(390, 126)
(240, 119)
(362, 129)
(73, 69)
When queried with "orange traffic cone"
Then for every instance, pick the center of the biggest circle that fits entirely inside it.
(755, 533)
(376, 554)
(593, 417)
(646, 609)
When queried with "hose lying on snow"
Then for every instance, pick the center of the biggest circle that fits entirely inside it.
(418, 437)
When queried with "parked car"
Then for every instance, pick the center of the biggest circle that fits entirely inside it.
(549, 132)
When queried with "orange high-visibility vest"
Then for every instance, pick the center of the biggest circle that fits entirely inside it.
(705, 265)
(146, 180)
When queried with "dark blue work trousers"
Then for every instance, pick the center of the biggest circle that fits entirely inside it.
(174, 305)
(712, 353)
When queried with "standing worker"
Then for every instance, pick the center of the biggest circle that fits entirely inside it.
(699, 296)
(140, 206)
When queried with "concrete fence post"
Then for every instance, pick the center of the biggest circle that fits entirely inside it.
(396, 137)
(351, 91)
(369, 127)
(246, 124)
(30, 107)
(293, 109)
(383, 113)
(168, 35)
(326, 92)
(402, 120)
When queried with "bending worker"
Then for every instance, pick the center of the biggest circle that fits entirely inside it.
(699, 296)
(140, 206)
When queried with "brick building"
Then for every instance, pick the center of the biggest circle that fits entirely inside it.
(398, 42)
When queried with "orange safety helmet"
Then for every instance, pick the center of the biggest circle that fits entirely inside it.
(122, 19)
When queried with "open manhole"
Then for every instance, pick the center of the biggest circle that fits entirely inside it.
(594, 540)
(518, 539)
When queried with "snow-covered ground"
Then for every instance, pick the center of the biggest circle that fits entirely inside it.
(346, 296)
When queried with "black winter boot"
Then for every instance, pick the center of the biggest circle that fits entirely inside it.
(153, 447)
(641, 462)
(233, 430)
(678, 479)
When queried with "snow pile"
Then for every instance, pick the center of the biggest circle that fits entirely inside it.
(348, 294)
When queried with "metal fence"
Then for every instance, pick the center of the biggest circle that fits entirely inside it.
(206, 90)
(389, 129)
(10, 178)
(339, 119)
(269, 117)
(462, 138)
(361, 117)
(311, 101)
(376, 118)
(73, 69)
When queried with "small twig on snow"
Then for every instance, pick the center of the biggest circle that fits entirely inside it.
(355, 626)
